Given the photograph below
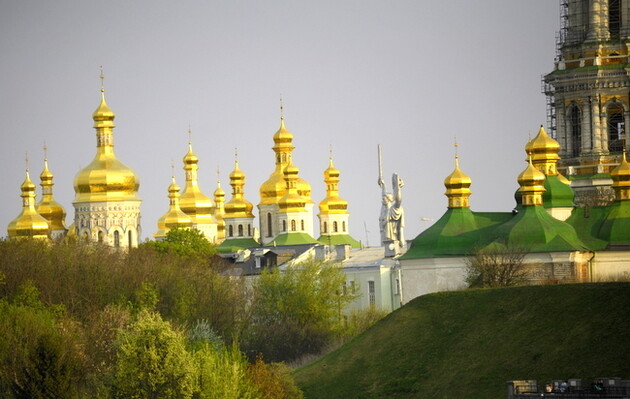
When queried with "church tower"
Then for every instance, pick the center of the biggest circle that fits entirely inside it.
(29, 223)
(588, 93)
(194, 203)
(174, 217)
(239, 219)
(106, 204)
(219, 209)
(275, 188)
(333, 212)
(50, 209)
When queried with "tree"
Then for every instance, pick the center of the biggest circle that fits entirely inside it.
(152, 361)
(496, 266)
(185, 242)
(297, 311)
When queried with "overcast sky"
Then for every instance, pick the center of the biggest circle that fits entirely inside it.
(407, 74)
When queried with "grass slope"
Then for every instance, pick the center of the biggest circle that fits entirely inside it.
(467, 344)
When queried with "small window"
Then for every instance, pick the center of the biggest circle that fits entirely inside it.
(269, 230)
(292, 225)
(100, 237)
(335, 227)
(284, 225)
(240, 230)
(343, 225)
(249, 229)
(371, 293)
(130, 239)
(302, 225)
(325, 227)
(230, 231)
(116, 239)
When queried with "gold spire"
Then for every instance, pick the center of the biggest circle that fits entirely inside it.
(105, 178)
(621, 179)
(275, 187)
(193, 202)
(531, 182)
(50, 209)
(29, 223)
(174, 217)
(238, 206)
(458, 186)
(332, 203)
(219, 210)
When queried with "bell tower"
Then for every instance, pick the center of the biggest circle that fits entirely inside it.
(588, 93)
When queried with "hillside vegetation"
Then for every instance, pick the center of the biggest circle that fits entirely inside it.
(467, 344)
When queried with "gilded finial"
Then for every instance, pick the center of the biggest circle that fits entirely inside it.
(102, 80)
(456, 146)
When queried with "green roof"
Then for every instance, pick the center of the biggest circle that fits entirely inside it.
(458, 232)
(236, 244)
(534, 230)
(339, 239)
(616, 227)
(587, 222)
(293, 239)
(557, 194)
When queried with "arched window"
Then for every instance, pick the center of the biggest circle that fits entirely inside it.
(240, 230)
(616, 126)
(100, 237)
(293, 225)
(575, 130)
(86, 237)
(302, 224)
(343, 226)
(269, 230)
(335, 227)
(130, 238)
(325, 227)
(230, 231)
(249, 229)
(116, 239)
(284, 225)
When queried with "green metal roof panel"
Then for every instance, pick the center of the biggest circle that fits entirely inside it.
(236, 244)
(557, 194)
(587, 222)
(534, 230)
(339, 239)
(293, 239)
(616, 227)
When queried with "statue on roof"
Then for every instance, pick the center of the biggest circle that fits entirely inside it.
(392, 218)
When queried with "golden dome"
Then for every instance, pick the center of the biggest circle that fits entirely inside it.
(332, 203)
(531, 182)
(291, 201)
(105, 178)
(544, 151)
(174, 217)
(193, 202)
(50, 209)
(238, 206)
(275, 187)
(621, 179)
(458, 187)
(29, 223)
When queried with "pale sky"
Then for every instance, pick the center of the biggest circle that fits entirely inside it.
(407, 74)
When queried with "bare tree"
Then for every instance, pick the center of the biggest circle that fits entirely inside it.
(496, 266)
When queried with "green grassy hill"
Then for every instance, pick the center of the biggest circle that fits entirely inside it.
(467, 344)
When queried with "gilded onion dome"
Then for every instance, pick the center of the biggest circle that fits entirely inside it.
(193, 202)
(621, 180)
(219, 210)
(50, 209)
(174, 217)
(332, 203)
(531, 182)
(29, 224)
(458, 187)
(292, 201)
(238, 206)
(105, 178)
(274, 188)
(544, 151)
